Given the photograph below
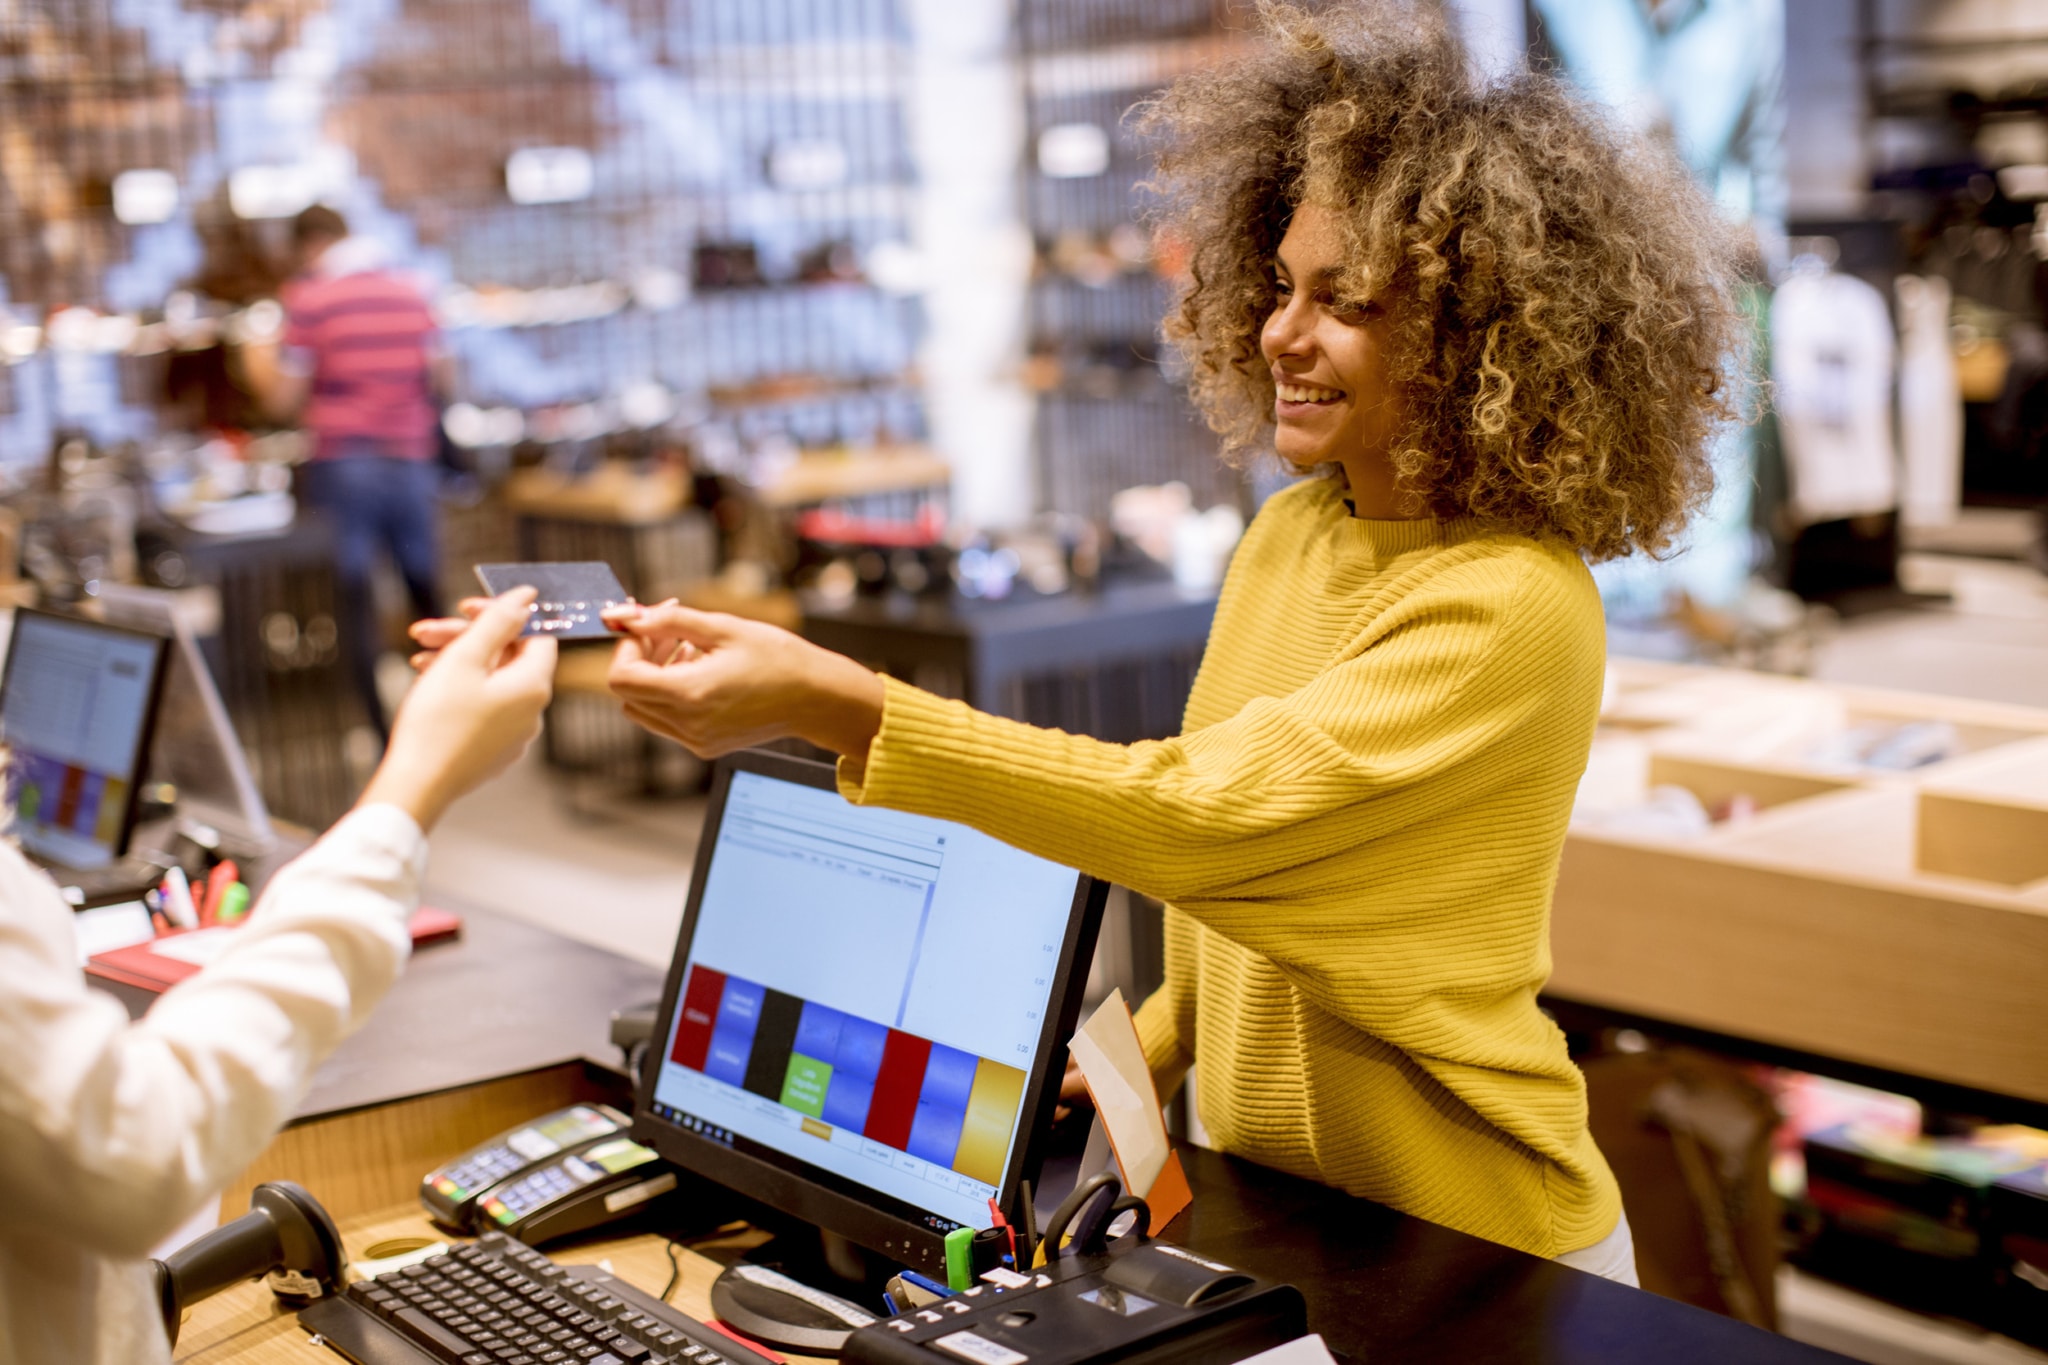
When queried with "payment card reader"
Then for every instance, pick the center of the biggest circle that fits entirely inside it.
(452, 1193)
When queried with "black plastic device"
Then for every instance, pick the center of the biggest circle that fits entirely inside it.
(793, 844)
(286, 1236)
(451, 1193)
(1132, 1301)
(494, 1300)
(595, 1184)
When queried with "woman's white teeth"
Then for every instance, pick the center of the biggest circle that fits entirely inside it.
(1302, 393)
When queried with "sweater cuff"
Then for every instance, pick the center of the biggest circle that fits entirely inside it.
(915, 726)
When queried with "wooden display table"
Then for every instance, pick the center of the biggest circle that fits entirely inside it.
(1894, 920)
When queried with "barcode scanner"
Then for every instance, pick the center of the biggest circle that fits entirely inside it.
(285, 1235)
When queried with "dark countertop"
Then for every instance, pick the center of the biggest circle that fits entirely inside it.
(1383, 1287)
(506, 997)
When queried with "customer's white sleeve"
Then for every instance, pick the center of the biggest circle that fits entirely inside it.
(112, 1132)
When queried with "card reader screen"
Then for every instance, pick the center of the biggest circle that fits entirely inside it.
(865, 991)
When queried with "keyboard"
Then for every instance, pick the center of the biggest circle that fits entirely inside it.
(498, 1302)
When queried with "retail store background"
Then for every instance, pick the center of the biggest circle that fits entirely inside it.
(799, 305)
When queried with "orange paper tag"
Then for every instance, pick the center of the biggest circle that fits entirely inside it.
(1112, 1063)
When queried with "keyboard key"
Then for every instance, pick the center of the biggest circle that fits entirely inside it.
(424, 1329)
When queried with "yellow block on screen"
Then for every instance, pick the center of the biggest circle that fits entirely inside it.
(991, 1114)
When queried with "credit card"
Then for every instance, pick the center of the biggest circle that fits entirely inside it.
(571, 596)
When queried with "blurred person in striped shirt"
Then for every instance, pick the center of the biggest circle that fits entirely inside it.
(362, 369)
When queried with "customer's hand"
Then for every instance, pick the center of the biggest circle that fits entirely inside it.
(474, 710)
(435, 633)
(715, 683)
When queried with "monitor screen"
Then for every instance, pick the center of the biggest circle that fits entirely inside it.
(865, 1000)
(76, 709)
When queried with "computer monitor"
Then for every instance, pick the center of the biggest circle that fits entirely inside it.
(78, 704)
(866, 1017)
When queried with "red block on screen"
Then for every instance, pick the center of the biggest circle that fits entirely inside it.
(896, 1089)
(699, 1013)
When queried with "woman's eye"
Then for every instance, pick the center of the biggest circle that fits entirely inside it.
(1351, 314)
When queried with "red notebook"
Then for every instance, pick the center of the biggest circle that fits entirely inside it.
(160, 964)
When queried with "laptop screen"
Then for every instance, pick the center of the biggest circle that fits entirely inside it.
(76, 711)
(865, 994)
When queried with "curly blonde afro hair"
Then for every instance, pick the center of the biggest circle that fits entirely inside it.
(1565, 332)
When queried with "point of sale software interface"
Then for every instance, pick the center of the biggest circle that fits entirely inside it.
(76, 705)
(865, 991)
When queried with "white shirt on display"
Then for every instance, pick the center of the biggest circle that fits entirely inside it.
(1832, 352)
(113, 1133)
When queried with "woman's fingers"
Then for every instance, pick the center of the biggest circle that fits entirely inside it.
(671, 620)
(438, 632)
(496, 626)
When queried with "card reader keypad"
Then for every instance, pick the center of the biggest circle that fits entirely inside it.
(482, 1169)
(521, 1197)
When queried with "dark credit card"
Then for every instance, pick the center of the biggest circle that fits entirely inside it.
(571, 596)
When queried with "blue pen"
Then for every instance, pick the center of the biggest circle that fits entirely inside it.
(926, 1283)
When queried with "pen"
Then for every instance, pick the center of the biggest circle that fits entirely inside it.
(927, 1284)
(1002, 1225)
(224, 875)
(178, 906)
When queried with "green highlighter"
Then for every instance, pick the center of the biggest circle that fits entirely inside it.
(960, 1259)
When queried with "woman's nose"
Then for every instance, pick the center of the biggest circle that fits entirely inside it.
(1285, 332)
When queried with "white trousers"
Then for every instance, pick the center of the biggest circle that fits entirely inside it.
(1613, 1257)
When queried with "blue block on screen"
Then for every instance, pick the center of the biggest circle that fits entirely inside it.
(847, 1100)
(935, 1133)
(860, 1048)
(948, 1078)
(727, 1059)
(817, 1033)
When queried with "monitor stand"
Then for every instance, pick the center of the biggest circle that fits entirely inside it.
(790, 1317)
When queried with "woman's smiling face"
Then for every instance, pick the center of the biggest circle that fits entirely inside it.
(1328, 356)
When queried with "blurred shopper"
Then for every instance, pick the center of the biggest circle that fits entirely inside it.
(361, 368)
(113, 1133)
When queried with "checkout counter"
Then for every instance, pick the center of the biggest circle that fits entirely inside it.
(511, 1021)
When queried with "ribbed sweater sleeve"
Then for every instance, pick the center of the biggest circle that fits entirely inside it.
(1416, 717)
(1357, 836)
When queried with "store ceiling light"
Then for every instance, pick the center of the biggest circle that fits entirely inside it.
(272, 191)
(144, 197)
(1073, 151)
(549, 175)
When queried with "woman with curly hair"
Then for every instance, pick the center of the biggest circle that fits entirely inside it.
(1492, 330)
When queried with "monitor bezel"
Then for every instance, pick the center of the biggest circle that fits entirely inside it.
(805, 1196)
(145, 739)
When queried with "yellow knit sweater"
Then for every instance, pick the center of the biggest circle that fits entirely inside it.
(1357, 837)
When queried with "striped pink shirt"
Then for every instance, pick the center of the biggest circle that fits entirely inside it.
(367, 338)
